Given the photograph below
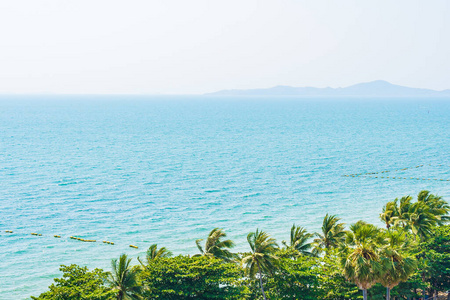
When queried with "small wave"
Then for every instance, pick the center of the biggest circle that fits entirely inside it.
(214, 203)
(323, 193)
(252, 195)
(67, 183)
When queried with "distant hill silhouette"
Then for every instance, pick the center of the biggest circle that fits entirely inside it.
(373, 88)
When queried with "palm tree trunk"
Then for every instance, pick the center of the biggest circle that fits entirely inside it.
(388, 293)
(365, 294)
(260, 281)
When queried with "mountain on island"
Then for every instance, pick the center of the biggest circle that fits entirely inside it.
(367, 89)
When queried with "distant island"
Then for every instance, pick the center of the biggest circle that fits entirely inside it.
(367, 89)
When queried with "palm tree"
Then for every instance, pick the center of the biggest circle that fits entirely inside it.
(401, 215)
(420, 216)
(215, 246)
(389, 212)
(332, 234)
(397, 264)
(298, 241)
(361, 262)
(420, 220)
(154, 253)
(262, 257)
(438, 207)
(124, 279)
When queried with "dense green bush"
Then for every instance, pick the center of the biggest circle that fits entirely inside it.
(78, 283)
(184, 277)
(435, 258)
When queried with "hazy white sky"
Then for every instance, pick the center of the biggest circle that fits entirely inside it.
(197, 46)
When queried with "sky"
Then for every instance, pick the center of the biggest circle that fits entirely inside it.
(200, 46)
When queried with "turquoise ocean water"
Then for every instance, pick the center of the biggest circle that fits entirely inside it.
(167, 170)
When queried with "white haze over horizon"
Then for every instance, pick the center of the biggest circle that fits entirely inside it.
(200, 46)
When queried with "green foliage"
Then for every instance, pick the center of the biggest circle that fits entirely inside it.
(360, 261)
(298, 243)
(377, 291)
(438, 207)
(262, 258)
(435, 255)
(294, 279)
(332, 283)
(419, 217)
(388, 214)
(420, 220)
(215, 246)
(78, 283)
(396, 260)
(184, 277)
(411, 288)
(124, 279)
(401, 208)
(154, 253)
(332, 234)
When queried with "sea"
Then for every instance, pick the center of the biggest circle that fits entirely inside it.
(139, 170)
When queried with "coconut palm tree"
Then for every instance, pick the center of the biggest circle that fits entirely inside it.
(123, 279)
(332, 234)
(262, 258)
(215, 246)
(438, 207)
(420, 220)
(299, 241)
(401, 214)
(420, 216)
(397, 264)
(154, 253)
(389, 212)
(360, 261)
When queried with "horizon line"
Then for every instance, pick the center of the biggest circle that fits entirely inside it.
(232, 89)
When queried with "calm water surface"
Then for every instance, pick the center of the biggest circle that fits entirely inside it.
(167, 170)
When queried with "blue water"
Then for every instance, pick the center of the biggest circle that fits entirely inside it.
(167, 170)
